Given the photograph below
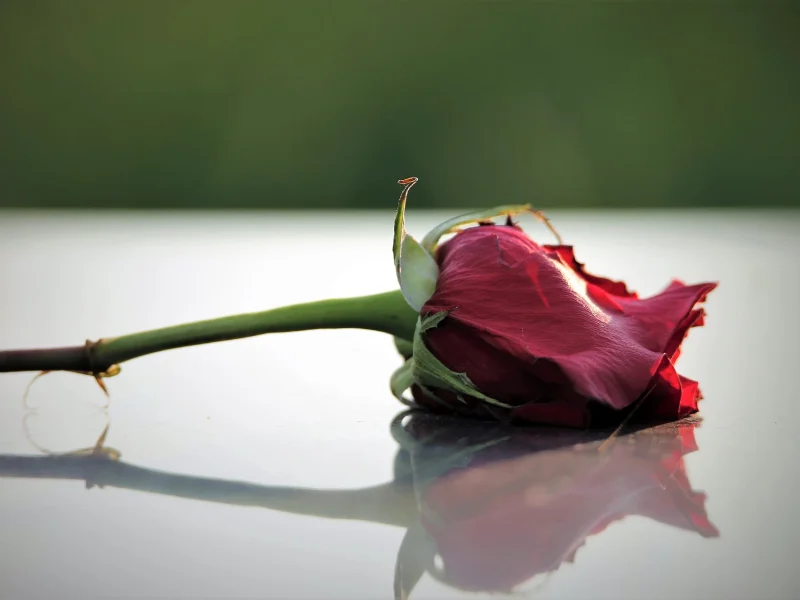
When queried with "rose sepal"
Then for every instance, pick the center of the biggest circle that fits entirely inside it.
(429, 373)
(416, 269)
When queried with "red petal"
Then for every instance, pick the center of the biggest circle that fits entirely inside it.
(670, 396)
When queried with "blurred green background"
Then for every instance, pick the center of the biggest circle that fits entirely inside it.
(212, 104)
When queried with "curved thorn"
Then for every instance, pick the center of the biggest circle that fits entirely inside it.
(99, 380)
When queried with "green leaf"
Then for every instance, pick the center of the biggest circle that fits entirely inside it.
(430, 372)
(417, 271)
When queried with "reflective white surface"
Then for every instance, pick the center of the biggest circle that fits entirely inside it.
(312, 410)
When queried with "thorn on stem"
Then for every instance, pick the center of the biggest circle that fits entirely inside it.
(102, 385)
(98, 375)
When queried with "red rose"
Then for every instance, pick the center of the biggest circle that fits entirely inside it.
(509, 514)
(533, 330)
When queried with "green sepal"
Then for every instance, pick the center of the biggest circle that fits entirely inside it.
(432, 396)
(430, 241)
(417, 271)
(401, 380)
(430, 372)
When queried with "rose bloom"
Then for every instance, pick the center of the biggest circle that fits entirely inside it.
(533, 330)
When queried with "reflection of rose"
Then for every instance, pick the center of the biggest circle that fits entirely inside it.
(498, 504)
(509, 513)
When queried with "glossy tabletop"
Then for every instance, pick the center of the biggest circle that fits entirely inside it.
(281, 466)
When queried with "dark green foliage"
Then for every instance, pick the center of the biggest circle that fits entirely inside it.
(207, 104)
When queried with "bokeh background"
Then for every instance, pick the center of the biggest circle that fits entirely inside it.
(260, 104)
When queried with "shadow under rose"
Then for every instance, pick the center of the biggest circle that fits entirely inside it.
(486, 507)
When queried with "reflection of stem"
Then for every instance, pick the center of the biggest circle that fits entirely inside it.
(386, 312)
(389, 504)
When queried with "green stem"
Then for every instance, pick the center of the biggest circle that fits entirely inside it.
(387, 312)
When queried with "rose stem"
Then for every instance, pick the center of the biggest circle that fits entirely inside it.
(387, 312)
